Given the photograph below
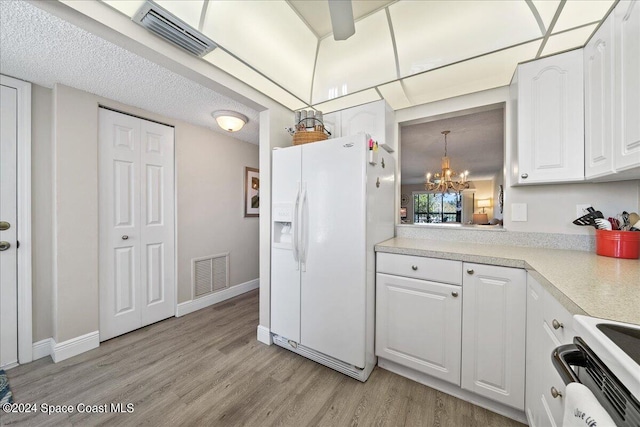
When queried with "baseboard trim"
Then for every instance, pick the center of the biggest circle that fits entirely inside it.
(200, 303)
(74, 346)
(42, 348)
(453, 390)
(264, 335)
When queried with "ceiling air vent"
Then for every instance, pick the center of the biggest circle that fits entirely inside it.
(173, 29)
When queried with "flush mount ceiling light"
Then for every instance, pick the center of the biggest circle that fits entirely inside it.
(231, 121)
(443, 181)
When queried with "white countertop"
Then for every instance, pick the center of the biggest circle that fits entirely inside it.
(583, 282)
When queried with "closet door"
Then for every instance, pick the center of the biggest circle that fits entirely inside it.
(136, 200)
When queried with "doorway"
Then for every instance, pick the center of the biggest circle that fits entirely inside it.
(136, 210)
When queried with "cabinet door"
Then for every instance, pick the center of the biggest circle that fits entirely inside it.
(493, 339)
(332, 124)
(368, 118)
(598, 102)
(551, 119)
(627, 145)
(418, 324)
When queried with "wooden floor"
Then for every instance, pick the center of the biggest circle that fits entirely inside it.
(207, 368)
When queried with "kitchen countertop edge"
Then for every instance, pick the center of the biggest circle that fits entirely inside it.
(405, 246)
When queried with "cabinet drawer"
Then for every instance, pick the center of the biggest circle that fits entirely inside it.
(558, 319)
(437, 270)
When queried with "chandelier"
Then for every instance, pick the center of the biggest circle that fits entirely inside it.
(442, 181)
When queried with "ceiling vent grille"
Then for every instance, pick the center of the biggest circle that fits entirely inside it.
(173, 29)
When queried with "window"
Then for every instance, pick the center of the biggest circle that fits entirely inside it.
(437, 207)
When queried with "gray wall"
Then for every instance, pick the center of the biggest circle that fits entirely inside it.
(209, 178)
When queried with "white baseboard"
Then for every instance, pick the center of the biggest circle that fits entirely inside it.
(75, 346)
(264, 335)
(42, 348)
(200, 303)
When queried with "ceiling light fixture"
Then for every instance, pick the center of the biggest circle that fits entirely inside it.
(231, 121)
(442, 182)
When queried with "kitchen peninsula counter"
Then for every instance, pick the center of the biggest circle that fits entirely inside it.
(583, 282)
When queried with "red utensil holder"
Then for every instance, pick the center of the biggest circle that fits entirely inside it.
(618, 244)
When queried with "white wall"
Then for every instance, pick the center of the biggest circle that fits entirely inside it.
(210, 216)
(551, 208)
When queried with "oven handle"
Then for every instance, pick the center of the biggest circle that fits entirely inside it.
(564, 357)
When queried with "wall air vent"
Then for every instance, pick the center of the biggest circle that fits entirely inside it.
(209, 274)
(173, 29)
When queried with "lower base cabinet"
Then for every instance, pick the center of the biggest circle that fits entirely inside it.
(476, 342)
(493, 332)
(419, 325)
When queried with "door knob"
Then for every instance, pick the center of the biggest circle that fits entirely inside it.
(454, 294)
(470, 271)
(125, 237)
(4, 245)
(4, 225)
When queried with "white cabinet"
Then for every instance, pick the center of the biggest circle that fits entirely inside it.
(419, 324)
(627, 82)
(375, 118)
(424, 323)
(493, 332)
(548, 326)
(599, 102)
(550, 119)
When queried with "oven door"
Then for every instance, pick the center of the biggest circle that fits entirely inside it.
(577, 363)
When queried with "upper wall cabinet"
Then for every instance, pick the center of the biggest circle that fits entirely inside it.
(627, 86)
(550, 119)
(599, 101)
(375, 118)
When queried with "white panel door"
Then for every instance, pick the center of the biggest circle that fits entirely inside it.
(419, 325)
(627, 22)
(286, 180)
(136, 201)
(598, 102)
(551, 119)
(333, 256)
(8, 237)
(493, 332)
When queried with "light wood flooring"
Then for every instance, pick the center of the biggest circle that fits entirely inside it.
(207, 369)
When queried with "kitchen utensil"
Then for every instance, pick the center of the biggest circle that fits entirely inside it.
(615, 225)
(603, 224)
(589, 218)
(634, 218)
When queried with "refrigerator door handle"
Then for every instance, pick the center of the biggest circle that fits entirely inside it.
(296, 249)
(303, 230)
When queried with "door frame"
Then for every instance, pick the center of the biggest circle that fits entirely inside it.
(25, 327)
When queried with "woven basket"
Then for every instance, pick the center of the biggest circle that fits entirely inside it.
(306, 137)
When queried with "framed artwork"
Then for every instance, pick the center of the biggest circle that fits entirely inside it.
(251, 192)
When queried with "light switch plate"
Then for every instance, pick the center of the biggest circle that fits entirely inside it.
(519, 212)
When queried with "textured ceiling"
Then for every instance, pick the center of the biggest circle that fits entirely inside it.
(43, 49)
(475, 144)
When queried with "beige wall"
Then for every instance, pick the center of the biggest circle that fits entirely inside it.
(41, 211)
(209, 178)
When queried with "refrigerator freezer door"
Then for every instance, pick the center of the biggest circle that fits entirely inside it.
(285, 270)
(333, 286)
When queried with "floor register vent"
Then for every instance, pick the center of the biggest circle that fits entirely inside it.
(171, 28)
(209, 274)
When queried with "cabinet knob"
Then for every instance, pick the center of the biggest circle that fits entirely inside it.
(555, 393)
(125, 237)
(454, 294)
(414, 267)
(524, 176)
(470, 271)
(556, 324)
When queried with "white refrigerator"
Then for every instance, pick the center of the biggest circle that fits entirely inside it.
(332, 201)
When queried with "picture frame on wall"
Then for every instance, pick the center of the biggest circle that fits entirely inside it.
(251, 192)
